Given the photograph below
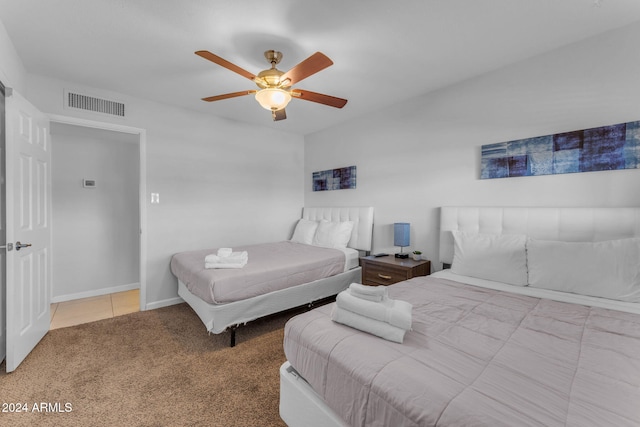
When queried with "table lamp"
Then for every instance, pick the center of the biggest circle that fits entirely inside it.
(401, 237)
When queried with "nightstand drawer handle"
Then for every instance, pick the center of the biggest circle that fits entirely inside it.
(383, 276)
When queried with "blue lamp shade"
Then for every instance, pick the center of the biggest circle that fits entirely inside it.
(401, 235)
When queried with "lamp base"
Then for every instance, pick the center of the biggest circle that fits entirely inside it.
(402, 255)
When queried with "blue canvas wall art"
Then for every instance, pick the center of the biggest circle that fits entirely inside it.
(603, 148)
(334, 179)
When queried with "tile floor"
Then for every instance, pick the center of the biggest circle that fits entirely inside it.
(86, 310)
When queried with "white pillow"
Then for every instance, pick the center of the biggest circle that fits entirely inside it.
(497, 257)
(304, 232)
(333, 234)
(609, 269)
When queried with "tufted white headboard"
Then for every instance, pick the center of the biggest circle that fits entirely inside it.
(362, 216)
(564, 224)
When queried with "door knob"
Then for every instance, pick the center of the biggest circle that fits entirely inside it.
(22, 245)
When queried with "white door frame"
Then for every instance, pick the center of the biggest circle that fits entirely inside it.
(3, 284)
(142, 135)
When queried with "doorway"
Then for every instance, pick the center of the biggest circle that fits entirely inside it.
(98, 210)
(26, 142)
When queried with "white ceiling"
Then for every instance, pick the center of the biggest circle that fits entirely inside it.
(383, 51)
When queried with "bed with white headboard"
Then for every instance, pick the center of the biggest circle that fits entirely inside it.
(563, 224)
(271, 281)
(586, 225)
(536, 323)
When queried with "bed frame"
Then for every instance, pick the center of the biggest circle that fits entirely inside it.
(301, 406)
(219, 318)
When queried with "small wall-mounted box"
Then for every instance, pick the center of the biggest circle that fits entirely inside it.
(89, 183)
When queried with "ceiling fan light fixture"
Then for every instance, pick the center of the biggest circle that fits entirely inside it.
(273, 99)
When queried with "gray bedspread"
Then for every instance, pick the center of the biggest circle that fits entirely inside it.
(271, 267)
(475, 357)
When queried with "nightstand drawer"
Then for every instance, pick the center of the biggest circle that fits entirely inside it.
(383, 275)
(389, 270)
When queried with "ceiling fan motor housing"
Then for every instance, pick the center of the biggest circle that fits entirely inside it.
(269, 78)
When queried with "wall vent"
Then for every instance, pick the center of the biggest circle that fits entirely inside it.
(97, 105)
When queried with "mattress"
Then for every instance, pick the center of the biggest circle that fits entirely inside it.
(271, 267)
(475, 356)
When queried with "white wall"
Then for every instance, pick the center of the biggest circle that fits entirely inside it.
(221, 183)
(425, 153)
(95, 238)
(12, 72)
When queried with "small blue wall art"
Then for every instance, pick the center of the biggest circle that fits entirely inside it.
(597, 149)
(334, 179)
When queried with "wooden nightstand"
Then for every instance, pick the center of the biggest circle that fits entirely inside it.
(388, 270)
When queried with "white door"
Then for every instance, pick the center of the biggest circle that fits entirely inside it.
(28, 216)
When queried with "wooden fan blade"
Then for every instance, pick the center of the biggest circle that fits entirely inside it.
(228, 95)
(224, 63)
(279, 115)
(316, 62)
(320, 98)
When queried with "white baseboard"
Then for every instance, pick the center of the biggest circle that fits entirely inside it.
(95, 293)
(164, 303)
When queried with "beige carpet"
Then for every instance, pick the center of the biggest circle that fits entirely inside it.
(153, 368)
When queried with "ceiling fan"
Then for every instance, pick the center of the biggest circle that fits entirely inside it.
(275, 89)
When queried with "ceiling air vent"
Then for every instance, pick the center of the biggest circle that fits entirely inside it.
(97, 105)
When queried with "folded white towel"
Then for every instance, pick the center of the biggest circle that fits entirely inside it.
(375, 327)
(371, 293)
(233, 258)
(394, 312)
(224, 252)
(208, 265)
